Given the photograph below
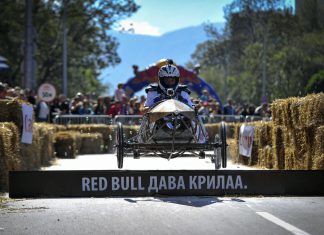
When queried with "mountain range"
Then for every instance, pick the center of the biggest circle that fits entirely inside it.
(144, 50)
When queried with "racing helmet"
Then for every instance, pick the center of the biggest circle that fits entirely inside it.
(169, 77)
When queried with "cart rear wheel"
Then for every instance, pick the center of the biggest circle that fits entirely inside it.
(120, 145)
(217, 154)
(136, 154)
(222, 134)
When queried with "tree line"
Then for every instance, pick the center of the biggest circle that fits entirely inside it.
(266, 51)
(90, 47)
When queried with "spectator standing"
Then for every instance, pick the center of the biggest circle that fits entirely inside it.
(63, 104)
(30, 95)
(205, 96)
(244, 111)
(119, 92)
(100, 108)
(229, 108)
(262, 110)
(42, 111)
(125, 109)
(215, 109)
(85, 108)
(204, 110)
(137, 108)
(115, 109)
(107, 103)
(76, 103)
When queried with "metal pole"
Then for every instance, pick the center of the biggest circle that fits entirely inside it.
(65, 53)
(28, 63)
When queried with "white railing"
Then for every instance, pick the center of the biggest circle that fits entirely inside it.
(83, 119)
(137, 119)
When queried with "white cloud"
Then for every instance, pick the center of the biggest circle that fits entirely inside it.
(142, 27)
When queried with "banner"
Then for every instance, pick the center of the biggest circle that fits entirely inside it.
(246, 140)
(27, 133)
(118, 183)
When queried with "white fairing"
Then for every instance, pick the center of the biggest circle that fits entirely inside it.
(151, 95)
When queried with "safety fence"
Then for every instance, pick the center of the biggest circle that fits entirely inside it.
(137, 119)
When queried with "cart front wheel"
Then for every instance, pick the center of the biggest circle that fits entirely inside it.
(120, 145)
(222, 134)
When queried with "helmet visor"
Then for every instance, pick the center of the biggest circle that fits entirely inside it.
(169, 82)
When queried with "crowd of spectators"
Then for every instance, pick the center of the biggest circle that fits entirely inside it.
(120, 104)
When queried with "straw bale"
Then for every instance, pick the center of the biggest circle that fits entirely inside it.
(263, 133)
(281, 112)
(289, 158)
(10, 158)
(212, 130)
(233, 150)
(31, 153)
(318, 163)
(230, 130)
(278, 147)
(265, 157)
(46, 140)
(67, 144)
(107, 131)
(10, 111)
(302, 141)
(311, 110)
(92, 143)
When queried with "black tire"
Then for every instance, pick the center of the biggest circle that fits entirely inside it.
(136, 154)
(217, 160)
(120, 145)
(222, 134)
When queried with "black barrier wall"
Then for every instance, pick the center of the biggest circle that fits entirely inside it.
(24, 184)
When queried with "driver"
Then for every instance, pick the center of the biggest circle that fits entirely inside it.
(168, 87)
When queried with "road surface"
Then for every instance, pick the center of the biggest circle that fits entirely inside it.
(159, 215)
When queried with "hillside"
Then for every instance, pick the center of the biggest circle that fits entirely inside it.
(144, 50)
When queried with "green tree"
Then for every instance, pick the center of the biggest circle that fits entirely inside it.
(316, 83)
(90, 46)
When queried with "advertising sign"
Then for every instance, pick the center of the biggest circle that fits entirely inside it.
(246, 140)
(27, 133)
(46, 92)
(82, 183)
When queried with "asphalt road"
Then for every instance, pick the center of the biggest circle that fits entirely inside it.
(170, 215)
(163, 215)
(109, 162)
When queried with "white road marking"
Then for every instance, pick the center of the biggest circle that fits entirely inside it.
(282, 223)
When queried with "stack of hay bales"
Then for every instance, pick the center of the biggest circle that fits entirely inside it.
(41, 151)
(31, 153)
(91, 143)
(318, 163)
(9, 151)
(262, 146)
(10, 111)
(299, 121)
(261, 154)
(107, 132)
(67, 144)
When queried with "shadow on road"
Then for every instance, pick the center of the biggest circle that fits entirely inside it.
(186, 201)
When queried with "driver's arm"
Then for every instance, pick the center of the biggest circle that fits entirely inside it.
(187, 98)
(150, 100)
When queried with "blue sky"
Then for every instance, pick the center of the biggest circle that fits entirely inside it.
(156, 17)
